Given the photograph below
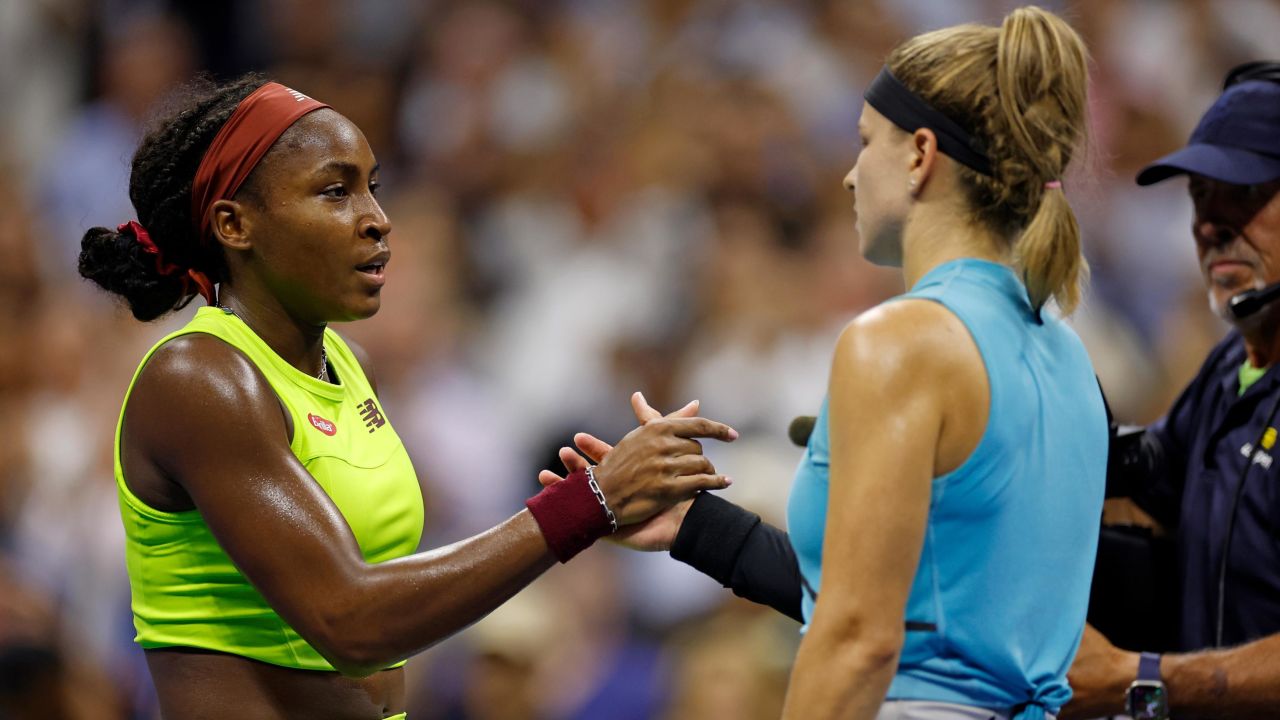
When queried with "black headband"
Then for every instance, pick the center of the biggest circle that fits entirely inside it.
(906, 110)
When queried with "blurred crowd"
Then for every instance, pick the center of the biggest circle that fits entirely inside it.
(589, 197)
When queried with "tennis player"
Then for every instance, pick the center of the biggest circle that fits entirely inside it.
(944, 518)
(271, 512)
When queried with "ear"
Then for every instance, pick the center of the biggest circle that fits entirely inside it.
(230, 224)
(924, 154)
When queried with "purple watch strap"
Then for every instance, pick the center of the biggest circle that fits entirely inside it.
(1149, 666)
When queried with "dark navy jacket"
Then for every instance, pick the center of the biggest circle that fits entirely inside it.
(1195, 457)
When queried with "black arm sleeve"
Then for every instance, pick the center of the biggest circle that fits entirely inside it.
(741, 552)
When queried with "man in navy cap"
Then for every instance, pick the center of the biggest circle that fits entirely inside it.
(1205, 471)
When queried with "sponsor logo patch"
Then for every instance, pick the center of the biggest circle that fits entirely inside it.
(1261, 457)
(325, 426)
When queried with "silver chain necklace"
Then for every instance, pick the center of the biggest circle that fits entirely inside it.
(322, 376)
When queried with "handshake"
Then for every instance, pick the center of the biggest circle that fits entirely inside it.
(645, 483)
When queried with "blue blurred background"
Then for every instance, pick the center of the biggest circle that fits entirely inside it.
(588, 197)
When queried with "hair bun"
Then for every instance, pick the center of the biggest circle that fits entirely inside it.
(119, 264)
(158, 264)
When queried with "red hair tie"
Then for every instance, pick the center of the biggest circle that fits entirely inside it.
(203, 284)
(149, 246)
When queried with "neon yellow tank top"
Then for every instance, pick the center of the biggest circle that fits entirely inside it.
(186, 590)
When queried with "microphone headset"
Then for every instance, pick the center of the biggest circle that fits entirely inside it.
(1251, 301)
(1242, 306)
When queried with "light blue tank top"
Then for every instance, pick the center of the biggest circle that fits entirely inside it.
(997, 607)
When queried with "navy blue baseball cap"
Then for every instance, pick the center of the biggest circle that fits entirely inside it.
(1237, 140)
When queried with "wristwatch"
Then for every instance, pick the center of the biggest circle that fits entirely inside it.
(1147, 698)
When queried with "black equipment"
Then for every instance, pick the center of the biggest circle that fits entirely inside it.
(800, 429)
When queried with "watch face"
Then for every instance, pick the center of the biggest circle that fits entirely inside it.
(1147, 700)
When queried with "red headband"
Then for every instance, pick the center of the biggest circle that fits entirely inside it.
(252, 129)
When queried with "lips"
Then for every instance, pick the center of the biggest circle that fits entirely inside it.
(376, 264)
(1230, 274)
(1228, 268)
(1227, 264)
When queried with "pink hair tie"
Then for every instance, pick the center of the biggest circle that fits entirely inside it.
(1053, 185)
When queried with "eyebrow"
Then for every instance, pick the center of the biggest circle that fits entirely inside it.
(346, 168)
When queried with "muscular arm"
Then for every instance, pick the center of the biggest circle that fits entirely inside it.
(892, 384)
(1240, 683)
(202, 416)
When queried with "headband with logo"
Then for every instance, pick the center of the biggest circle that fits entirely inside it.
(259, 120)
(909, 112)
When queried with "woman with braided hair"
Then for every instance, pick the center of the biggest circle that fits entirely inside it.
(944, 519)
(271, 513)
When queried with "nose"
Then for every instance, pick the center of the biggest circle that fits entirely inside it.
(376, 225)
(848, 178)
(1212, 233)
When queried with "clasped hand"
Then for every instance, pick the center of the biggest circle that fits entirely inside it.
(650, 478)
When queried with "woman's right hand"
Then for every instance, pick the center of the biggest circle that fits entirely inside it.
(658, 465)
(658, 532)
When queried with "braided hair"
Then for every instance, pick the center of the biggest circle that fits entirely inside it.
(160, 179)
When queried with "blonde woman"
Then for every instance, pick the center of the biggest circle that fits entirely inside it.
(944, 518)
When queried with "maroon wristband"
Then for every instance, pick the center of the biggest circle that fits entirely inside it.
(570, 516)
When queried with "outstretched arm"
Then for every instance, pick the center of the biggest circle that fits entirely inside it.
(203, 417)
(1240, 683)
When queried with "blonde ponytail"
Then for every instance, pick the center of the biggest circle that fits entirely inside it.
(1021, 90)
(1042, 73)
(1048, 253)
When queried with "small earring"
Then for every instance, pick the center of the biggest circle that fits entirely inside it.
(913, 183)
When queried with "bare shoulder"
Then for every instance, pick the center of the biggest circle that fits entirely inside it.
(202, 369)
(905, 340)
(911, 369)
(196, 388)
